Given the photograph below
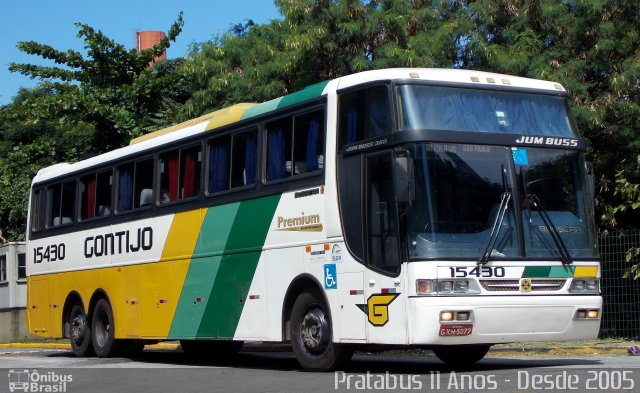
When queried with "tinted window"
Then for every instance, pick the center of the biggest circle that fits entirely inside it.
(61, 203)
(36, 213)
(180, 174)
(364, 114)
(95, 195)
(135, 185)
(232, 161)
(295, 146)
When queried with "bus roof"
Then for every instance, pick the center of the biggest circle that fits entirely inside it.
(453, 76)
(243, 111)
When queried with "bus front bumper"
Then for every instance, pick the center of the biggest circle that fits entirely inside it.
(502, 319)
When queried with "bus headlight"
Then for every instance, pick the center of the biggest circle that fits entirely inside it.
(587, 285)
(587, 314)
(424, 287)
(461, 286)
(443, 287)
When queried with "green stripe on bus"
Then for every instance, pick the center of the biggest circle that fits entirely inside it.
(203, 270)
(261, 108)
(561, 271)
(309, 93)
(237, 268)
(548, 272)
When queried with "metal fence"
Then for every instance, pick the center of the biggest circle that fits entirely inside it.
(621, 296)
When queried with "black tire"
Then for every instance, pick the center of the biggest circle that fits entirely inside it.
(312, 335)
(103, 329)
(80, 332)
(211, 349)
(461, 355)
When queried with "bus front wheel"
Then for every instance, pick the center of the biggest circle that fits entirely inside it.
(311, 335)
(79, 332)
(461, 355)
(103, 329)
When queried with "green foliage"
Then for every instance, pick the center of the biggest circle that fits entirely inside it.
(86, 104)
(113, 88)
(592, 47)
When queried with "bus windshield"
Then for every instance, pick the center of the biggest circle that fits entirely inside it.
(459, 195)
(458, 109)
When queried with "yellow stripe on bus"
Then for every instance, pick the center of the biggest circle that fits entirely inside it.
(585, 271)
(162, 283)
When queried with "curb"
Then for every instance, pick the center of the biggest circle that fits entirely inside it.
(68, 346)
(283, 347)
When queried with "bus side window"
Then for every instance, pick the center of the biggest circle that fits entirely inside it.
(308, 141)
(135, 185)
(190, 170)
(88, 197)
(143, 181)
(125, 187)
(36, 213)
(382, 217)
(245, 159)
(219, 163)
(61, 203)
(279, 139)
(169, 176)
(104, 185)
(364, 114)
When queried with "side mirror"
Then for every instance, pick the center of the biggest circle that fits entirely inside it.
(404, 178)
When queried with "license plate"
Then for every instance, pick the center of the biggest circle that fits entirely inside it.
(456, 330)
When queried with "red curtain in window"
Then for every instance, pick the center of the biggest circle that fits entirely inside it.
(91, 198)
(172, 165)
(189, 175)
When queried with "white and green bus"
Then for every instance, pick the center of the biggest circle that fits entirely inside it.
(442, 209)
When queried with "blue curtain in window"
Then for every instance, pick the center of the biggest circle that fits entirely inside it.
(352, 123)
(125, 187)
(218, 167)
(312, 146)
(250, 159)
(276, 165)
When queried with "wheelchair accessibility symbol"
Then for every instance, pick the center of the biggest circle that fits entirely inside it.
(330, 277)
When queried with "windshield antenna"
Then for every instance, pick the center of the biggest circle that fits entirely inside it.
(497, 223)
(555, 235)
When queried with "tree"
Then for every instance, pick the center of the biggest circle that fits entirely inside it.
(112, 88)
(592, 47)
(83, 105)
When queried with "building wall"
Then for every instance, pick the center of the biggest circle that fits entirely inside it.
(13, 296)
(13, 325)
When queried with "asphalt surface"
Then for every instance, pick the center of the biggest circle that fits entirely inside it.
(168, 369)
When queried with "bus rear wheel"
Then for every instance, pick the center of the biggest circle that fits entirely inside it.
(461, 355)
(311, 335)
(103, 329)
(79, 332)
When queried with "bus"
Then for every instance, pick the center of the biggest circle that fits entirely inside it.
(441, 209)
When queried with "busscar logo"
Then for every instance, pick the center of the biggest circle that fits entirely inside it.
(34, 381)
(377, 308)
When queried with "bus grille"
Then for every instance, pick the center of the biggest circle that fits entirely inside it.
(537, 285)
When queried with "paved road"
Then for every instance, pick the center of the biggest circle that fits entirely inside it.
(172, 371)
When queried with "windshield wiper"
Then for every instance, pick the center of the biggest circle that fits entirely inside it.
(497, 223)
(553, 231)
